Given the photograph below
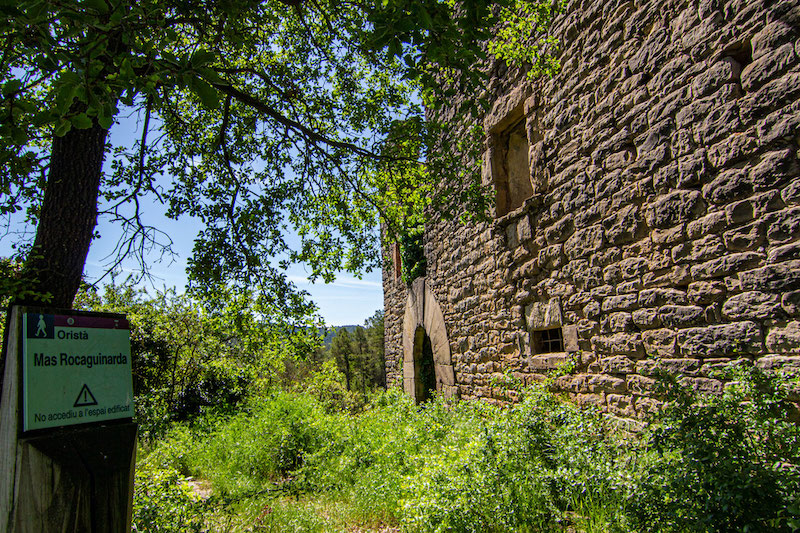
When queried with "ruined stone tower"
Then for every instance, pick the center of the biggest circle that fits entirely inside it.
(647, 213)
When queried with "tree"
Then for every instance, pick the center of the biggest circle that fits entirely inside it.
(374, 330)
(186, 356)
(256, 116)
(343, 351)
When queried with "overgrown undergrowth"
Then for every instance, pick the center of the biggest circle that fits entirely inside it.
(291, 463)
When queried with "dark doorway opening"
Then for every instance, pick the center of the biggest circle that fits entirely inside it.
(424, 366)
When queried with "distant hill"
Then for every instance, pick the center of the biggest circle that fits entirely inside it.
(333, 330)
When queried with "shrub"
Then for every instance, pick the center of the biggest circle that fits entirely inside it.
(163, 503)
(721, 463)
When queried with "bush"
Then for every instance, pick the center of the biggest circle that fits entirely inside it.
(163, 503)
(706, 464)
(721, 463)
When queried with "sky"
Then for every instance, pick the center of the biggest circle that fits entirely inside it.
(348, 300)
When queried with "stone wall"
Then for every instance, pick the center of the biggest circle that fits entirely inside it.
(663, 230)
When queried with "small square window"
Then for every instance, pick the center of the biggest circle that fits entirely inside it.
(548, 340)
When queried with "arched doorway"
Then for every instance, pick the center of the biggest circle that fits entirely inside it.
(426, 349)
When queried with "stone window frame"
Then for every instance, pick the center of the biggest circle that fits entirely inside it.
(507, 114)
(547, 316)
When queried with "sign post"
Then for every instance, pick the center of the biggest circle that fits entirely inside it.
(67, 441)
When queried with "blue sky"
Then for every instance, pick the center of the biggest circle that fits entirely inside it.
(345, 301)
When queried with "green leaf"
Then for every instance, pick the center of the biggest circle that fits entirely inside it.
(207, 94)
(105, 121)
(19, 136)
(202, 58)
(11, 87)
(81, 122)
(63, 128)
(97, 5)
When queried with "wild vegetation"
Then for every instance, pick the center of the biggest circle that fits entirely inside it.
(291, 461)
(243, 428)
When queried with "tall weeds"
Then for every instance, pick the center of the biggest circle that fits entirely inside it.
(706, 464)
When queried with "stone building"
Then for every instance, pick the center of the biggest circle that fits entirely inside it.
(647, 214)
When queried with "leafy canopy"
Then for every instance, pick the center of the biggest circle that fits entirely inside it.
(256, 117)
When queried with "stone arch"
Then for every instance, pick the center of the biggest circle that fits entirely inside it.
(423, 317)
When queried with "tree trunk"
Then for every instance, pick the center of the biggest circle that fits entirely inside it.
(68, 216)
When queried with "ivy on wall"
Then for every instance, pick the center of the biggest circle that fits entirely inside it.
(412, 254)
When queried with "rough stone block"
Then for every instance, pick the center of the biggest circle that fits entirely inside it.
(787, 252)
(768, 66)
(570, 334)
(784, 339)
(680, 316)
(618, 364)
(729, 185)
(583, 242)
(590, 400)
(621, 405)
(523, 228)
(753, 305)
(739, 212)
(618, 322)
(774, 278)
(658, 297)
(640, 384)
(629, 344)
(770, 37)
(632, 267)
(548, 361)
(674, 208)
(544, 315)
(703, 385)
(714, 76)
(779, 362)
(604, 383)
(771, 96)
(724, 339)
(623, 226)
(559, 231)
(659, 342)
(744, 238)
(791, 193)
(647, 407)
(680, 366)
(732, 149)
(726, 265)
(774, 169)
(706, 292)
(621, 302)
(711, 223)
(790, 301)
(778, 126)
(720, 122)
(783, 226)
(704, 249)
(646, 318)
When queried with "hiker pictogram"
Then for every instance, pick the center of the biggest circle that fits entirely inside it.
(41, 327)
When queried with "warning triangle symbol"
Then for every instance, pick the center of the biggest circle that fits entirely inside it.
(85, 398)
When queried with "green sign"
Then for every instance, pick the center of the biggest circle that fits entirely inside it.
(76, 369)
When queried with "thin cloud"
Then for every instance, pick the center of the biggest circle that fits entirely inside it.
(346, 282)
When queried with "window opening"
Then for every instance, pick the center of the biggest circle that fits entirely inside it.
(549, 340)
(511, 168)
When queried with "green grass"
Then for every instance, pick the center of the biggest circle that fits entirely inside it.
(290, 463)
